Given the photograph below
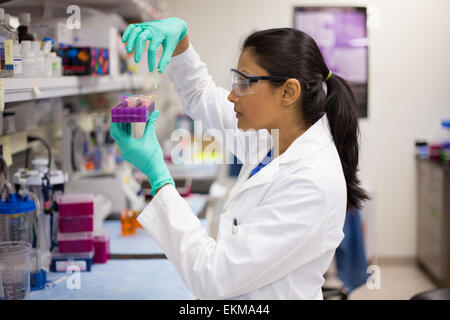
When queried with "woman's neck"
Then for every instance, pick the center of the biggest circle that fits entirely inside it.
(283, 136)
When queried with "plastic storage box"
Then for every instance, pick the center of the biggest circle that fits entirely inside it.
(62, 261)
(76, 224)
(84, 60)
(75, 242)
(101, 246)
(133, 108)
(70, 205)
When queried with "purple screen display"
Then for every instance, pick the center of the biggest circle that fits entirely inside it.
(341, 35)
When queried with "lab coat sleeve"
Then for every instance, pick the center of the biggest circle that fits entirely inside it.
(284, 233)
(203, 101)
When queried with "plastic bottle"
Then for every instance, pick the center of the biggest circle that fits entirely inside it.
(445, 150)
(59, 66)
(6, 48)
(18, 59)
(40, 59)
(47, 48)
(17, 54)
(24, 21)
(445, 126)
(421, 149)
(29, 59)
(438, 140)
(56, 64)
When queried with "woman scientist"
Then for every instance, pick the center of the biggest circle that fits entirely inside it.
(284, 218)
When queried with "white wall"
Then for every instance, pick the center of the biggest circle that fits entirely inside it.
(409, 70)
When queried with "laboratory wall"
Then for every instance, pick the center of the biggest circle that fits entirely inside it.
(409, 89)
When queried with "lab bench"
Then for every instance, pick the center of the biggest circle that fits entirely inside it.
(137, 270)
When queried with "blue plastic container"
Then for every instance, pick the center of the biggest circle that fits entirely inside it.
(16, 218)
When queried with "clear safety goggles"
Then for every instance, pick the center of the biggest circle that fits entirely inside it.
(244, 85)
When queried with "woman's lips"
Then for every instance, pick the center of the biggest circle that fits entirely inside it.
(238, 114)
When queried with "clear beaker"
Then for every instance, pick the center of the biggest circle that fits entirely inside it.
(14, 270)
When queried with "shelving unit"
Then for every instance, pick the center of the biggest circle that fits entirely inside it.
(25, 89)
(22, 89)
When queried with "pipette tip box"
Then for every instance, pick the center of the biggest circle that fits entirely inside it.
(101, 246)
(75, 242)
(62, 261)
(76, 224)
(71, 205)
(133, 108)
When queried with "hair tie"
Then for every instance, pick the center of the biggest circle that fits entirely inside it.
(328, 76)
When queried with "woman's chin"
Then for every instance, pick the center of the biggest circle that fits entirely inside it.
(244, 127)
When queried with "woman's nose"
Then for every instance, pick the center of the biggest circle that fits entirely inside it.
(232, 97)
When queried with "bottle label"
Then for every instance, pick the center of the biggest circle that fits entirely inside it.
(18, 66)
(9, 55)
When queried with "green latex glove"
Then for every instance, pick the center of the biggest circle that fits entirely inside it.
(167, 32)
(144, 153)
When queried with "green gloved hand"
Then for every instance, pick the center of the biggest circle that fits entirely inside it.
(144, 153)
(166, 32)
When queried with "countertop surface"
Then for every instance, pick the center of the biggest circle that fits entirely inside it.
(137, 270)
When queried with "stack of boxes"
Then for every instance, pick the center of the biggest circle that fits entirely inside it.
(77, 243)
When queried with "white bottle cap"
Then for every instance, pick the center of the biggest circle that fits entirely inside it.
(25, 19)
(47, 47)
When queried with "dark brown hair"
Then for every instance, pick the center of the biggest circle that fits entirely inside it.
(294, 54)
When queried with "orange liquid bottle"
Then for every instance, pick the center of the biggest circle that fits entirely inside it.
(128, 218)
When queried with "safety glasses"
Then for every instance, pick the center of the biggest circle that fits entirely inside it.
(244, 85)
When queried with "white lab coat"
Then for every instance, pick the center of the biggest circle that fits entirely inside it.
(290, 214)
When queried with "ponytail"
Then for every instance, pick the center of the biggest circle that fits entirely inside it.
(340, 107)
(292, 53)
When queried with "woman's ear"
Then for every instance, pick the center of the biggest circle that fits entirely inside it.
(291, 92)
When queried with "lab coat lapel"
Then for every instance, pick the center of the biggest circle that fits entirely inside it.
(310, 141)
(264, 176)
(261, 177)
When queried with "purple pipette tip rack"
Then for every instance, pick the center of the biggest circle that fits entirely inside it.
(123, 113)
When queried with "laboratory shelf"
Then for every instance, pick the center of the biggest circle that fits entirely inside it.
(22, 89)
